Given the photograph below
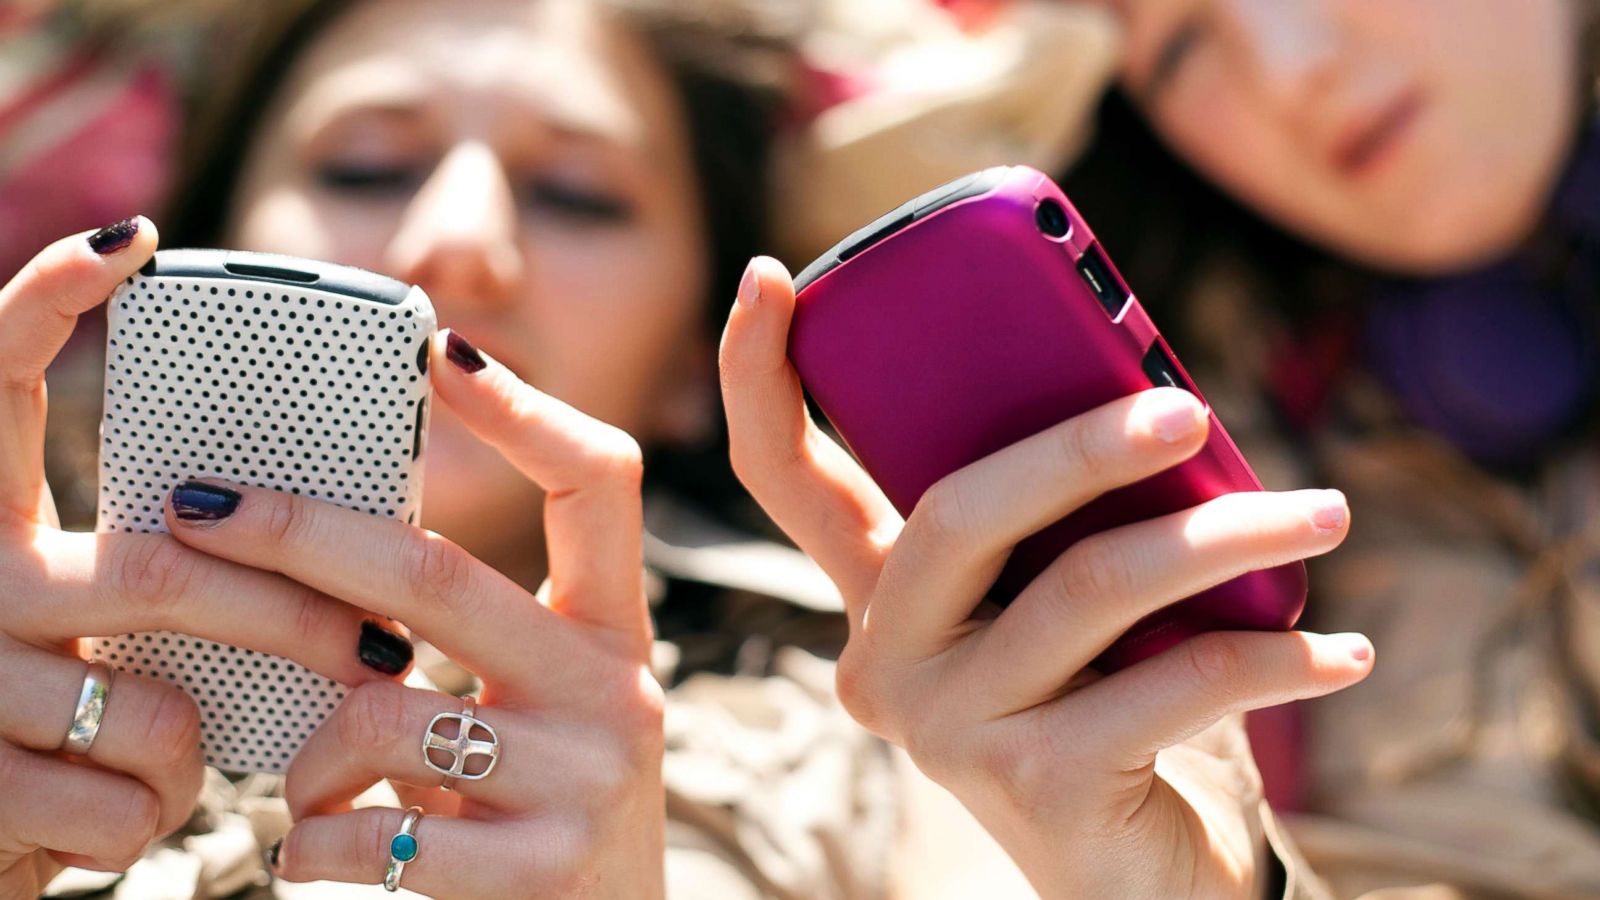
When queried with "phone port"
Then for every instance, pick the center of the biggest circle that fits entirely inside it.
(1162, 371)
(1096, 272)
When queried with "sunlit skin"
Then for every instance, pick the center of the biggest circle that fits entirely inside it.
(526, 164)
(523, 162)
(1415, 135)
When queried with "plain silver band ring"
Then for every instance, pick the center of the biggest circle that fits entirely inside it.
(91, 708)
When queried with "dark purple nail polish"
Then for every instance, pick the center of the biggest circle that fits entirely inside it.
(114, 237)
(462, 354)
(382, 650)
(272, 852)
(196, 501)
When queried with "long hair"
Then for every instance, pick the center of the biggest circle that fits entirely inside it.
(1168, 227)
(732, 66)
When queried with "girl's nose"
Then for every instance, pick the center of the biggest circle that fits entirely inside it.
(458, 238)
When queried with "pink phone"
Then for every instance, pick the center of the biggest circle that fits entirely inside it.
(979, 314)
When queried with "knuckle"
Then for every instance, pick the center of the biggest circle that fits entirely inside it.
(140, 818)
(373, 834)
(172, 730)
(943, 515)
(1095, 570)
(569, 867)
(523, 872)
(645, 726)
(624, 459)
(52, 277)
(852, 682)
(154, 572)
(373, 715)
(13, 767)
(308, 617)
(761, 464)
(920, 741)
(1217, 666)
(286, 520)
(860, 685)
(743, 462)
(931, 744)
(630, 731)
(439, 572)
(1082, 451)
(1037, 768)
(614, 457)
(1010, 762)
(743, 456)
(611, 775)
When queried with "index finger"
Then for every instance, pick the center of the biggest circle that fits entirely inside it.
(805, 481)
(590, 472)
(78, 584)
(473, 613)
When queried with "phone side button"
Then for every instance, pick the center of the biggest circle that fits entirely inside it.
(1161, 371)
(419, 428)
(422, 354)
(876, 232)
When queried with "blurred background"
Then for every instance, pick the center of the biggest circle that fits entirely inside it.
(1370, 228)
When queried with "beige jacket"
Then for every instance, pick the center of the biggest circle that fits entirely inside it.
(1467, 764)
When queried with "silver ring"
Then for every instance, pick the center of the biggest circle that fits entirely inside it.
(463, 746)
(403, 848)
(91, 709)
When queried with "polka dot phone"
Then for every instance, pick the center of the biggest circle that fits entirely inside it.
(271, 371)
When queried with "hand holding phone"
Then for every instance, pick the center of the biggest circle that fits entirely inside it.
(982, 313)
(138, 777)
(1055, 758)
(294, 374)
(566, 686)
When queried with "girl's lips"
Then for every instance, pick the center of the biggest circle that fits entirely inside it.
(1373, 138)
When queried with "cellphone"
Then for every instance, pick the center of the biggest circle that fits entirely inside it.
(271, 371)
(981, 313)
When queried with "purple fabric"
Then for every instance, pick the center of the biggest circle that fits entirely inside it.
(1502, 361)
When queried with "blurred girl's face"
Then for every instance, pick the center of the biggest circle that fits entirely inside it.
(1419, 135)
(525, 163)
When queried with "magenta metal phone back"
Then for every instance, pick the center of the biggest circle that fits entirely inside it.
(956, 326)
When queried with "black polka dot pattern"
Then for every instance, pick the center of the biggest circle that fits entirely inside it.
(299, 390)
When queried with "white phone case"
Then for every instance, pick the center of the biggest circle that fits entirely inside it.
(269, 371)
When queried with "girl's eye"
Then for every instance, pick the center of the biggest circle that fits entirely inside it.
(367, 178)
(580, 204)
(1175, 51)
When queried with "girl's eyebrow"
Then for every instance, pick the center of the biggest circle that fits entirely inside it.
(1175, 48)
(381, 89)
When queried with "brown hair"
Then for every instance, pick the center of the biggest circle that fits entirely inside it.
(732, 68)
(1168, 227)
(732, 64)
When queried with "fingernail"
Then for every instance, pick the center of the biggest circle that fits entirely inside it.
(1329, 511)
(462, 354)
(114, 237)
(272, 852)
(196, 501)
(749, 285)
(1177, 416)
(382, 650)
(1359, 647)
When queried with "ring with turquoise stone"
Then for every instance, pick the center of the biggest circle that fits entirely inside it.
(402, 849)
